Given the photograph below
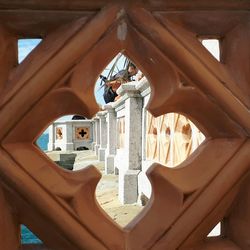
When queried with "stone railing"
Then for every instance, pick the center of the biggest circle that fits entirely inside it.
(71, 135)
(129, 139)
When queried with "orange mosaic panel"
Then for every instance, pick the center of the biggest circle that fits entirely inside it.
(82, 133)
(59, 133)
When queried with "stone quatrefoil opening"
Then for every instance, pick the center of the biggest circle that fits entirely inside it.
(61, 73)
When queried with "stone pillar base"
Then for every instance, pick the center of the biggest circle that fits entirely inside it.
(128, 186)
(97, 149)
(93, 146)
(109, 164)
(101, 154)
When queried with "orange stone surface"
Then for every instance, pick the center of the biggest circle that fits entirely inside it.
(162, 37)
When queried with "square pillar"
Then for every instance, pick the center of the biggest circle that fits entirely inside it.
(103, 135)
(133, 133)
(93, 131)
(111, 139)
(128, 175)
(69, 137)
(51, 145)
(97, 135)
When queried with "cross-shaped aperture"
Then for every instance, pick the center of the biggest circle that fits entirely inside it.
(82, 133)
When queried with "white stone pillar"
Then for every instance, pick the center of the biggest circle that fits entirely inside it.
(103, 135)
(93, 131)
(145, 90)
(144, 186)
(51, 145)
(97, 135)
(111, 139)
(69, 136)
(128, 176)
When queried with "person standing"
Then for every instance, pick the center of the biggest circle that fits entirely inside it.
(123, 76)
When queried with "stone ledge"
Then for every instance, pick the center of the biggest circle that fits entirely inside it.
(129, 90)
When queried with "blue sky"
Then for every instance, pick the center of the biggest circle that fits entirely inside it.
(25, 46)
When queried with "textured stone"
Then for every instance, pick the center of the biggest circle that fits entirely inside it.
(58, 78)
(111, 139)
(128, 183)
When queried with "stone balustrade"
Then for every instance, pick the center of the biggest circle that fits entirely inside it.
(129, 139)
(73, 135)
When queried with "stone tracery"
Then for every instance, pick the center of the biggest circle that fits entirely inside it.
(53, 72)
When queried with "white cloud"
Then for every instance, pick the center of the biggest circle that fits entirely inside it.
(213, 46)
(64, 118)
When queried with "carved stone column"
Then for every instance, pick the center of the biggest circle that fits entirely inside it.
(128, 175)
(103, 135)
(69, 136)
(111, 139)
(97, 135)
(93, 131)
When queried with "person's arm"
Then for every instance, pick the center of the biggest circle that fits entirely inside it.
(114, 84)
(139, 76)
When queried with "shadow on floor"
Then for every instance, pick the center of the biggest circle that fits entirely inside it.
(66, 161)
